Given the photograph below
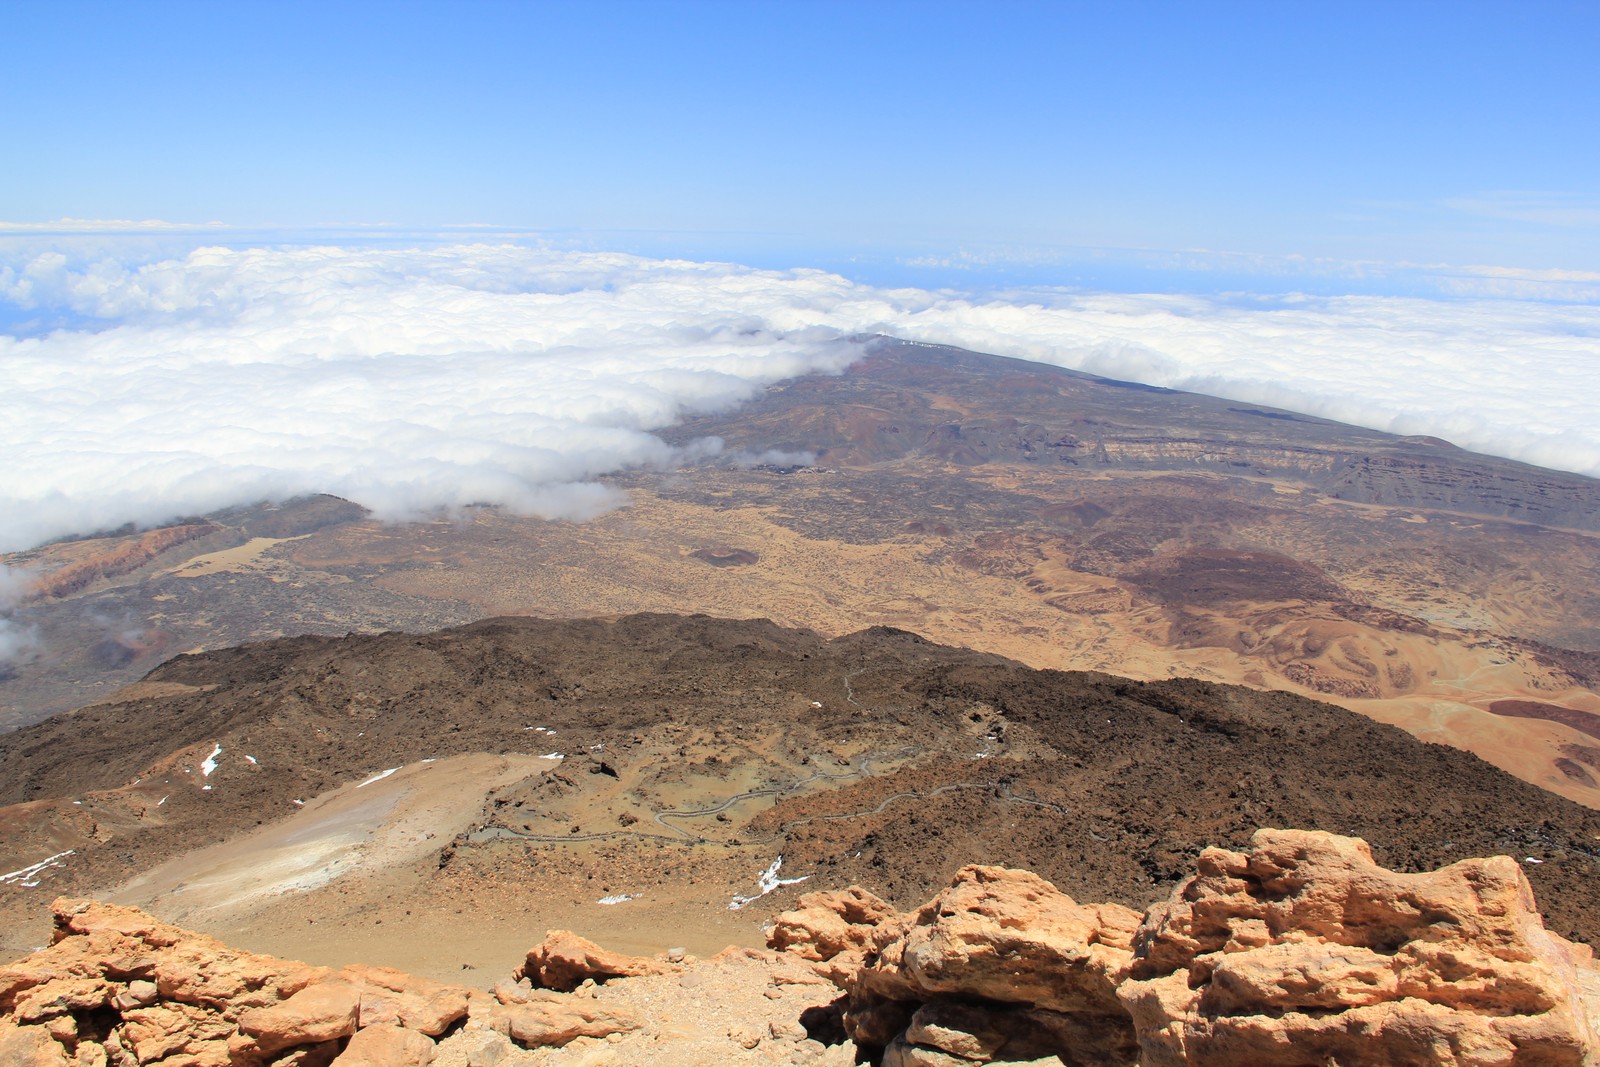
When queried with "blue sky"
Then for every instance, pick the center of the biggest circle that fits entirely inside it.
(462, 251)
(961, 135)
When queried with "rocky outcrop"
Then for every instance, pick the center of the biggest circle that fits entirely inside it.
(119, 988)
(833, 927)
(1000, 965)
(1300, 952)
(564, 961)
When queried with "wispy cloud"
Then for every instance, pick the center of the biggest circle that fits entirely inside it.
(1540, 208)
(17, 641)
(108, 226)
(420, 379)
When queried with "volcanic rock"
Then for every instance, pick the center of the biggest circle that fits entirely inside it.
(385, 1045)
(563, 961)
(118, 986)
(325, 1011)
(834, 927)
(540, 1024)
(1303, 951)
(1001, 962)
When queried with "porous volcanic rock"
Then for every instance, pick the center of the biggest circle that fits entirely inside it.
(563, 961)
(119, 986)
(999, 964)
(1299, 952)
(834, 927)
(1303, 951)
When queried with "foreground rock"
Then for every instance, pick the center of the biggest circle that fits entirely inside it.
(564, 961)
(1304, 951)
(119, 987)
(1301, 952)
(999, 966)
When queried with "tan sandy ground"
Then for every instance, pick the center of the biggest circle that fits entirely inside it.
(353, 877)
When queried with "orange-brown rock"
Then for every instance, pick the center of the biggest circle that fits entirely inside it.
(1303, 951)
(392, 996)
(564, 961)
(384, 1045)
(118, 987)
(832, 927)
(550, 1023)
(30, 1046)
(323, 1011)
(1006, 936)
(999, 963)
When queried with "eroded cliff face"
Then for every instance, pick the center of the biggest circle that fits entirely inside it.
(1299, 951)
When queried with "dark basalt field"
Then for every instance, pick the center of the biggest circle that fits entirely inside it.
(877, 758)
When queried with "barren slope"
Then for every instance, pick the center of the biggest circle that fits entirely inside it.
(634, 778)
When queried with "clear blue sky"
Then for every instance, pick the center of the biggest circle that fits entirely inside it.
(1427, 132)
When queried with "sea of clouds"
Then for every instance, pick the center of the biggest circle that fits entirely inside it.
(415, 380)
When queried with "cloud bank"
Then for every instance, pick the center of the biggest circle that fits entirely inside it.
(415, 380)
(18, 643)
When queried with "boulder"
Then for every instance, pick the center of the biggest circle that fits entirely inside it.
(323, 1011)
(177, 1033)
(1001, 964)
(831, 925)
(1005, 936)
(1304, 951)
(391, 996)
(30, 1046)
(550, 1023)
(564, 961)
(386, 1045)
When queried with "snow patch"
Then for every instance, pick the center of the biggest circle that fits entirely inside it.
(554, 755)
(252, 759)
(768, 881)
(380, 776)
(29, 876)
(209, 766)
(618, 898)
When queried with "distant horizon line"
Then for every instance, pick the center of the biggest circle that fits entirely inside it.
(989, 266)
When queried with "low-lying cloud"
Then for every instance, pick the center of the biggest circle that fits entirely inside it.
(18, 643)
(416, 380)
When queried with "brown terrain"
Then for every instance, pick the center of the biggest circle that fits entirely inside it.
(436, 802)
(1058, 519)
(1297, 951)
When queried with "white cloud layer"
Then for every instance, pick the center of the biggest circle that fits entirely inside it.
(414, 380)
(17, 642)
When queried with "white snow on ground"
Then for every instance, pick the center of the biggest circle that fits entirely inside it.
(768, 881)
(380, 776)
(29, 876)
(252, 759)
(554, 755)
(618, 898)
(163, 800)
(210, 765)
